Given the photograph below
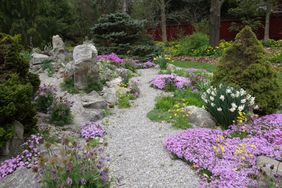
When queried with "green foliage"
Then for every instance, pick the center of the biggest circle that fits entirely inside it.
(60, 112)
(162, 61)
(124, 100)
(68, 85)
(37, 21)
(97, 86)
(172, 108)
(121, 34)
(244, 65)
(18, 86)
(117, 32)
(48, 66)
(197, 65)
(270, 43)
(6, 134)
(195, 41)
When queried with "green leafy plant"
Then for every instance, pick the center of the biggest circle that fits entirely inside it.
(68, 85)
(76, 166)
(162, 61)
(45, 97)
(244, 65)
(60, 112)
(225, 103)
(48, 66)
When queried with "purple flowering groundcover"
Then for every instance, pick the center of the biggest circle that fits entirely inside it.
(231, 160)
(161, 80)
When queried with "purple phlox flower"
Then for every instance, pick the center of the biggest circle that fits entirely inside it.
(112, 57)
(91, 130)
(69, 181)
(161, 80)
(149, 64)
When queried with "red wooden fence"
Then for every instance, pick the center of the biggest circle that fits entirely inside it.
(175, 31)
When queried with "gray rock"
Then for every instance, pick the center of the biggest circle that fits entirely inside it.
(39, 58)
(93, 115)
(199, 117)
(86, 68)
(94, 101)
(13, 145)
(269, 166)
(110, 96)
(57, 42)
(21, 178)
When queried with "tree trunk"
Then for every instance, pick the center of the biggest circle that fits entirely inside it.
(214, 22)
(163, 20)
(267, 19)
(125, 6)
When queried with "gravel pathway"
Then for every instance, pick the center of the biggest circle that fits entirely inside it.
(135, 145)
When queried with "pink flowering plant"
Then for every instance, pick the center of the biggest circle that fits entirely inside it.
(91, 130)
(170, 82)
(225, 161)
(111, 57)
(28, 158)
(149, 64)
(225, 103)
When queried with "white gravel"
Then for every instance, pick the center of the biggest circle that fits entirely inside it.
(135, 145)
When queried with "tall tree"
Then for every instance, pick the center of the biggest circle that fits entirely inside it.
(269, 6)
(214, 21)
(163, 5)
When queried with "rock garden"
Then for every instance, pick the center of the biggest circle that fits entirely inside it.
(120, 112)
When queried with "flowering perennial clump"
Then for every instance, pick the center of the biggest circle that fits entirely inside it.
(149, 64)
(28, 158)
(163, 80)
(91, 130)
(224, 103)
(45, 97)
(111, 57)
(231, 161)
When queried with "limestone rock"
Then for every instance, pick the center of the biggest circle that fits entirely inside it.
(199, 117)
(13, 145)
(93, 115)
(21, 178)
(93, 101)
(57, 42)
(269, 166)
(86, 68)
(38, 58)
(171, 67)
(110, 96)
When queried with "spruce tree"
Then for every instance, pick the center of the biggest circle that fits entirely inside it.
(244, 65)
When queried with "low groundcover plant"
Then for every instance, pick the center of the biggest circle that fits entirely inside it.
(162, 81)
(228, 161)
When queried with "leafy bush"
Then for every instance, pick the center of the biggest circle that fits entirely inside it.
(68, 85)
(224, 104)
(244, 65)
(188, 44)
(18, 86)
(162, 61)
(48, 66)
(60, 112)
(272, 43)
(45, 97)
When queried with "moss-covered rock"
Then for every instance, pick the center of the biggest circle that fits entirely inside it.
(244, 65)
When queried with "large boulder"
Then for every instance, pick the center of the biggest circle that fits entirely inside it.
(110, 96)
(199, 117)
(93, 101)
(21, 178)
(86, 68)
(58, 51)
(13, 146)
(38, 59)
